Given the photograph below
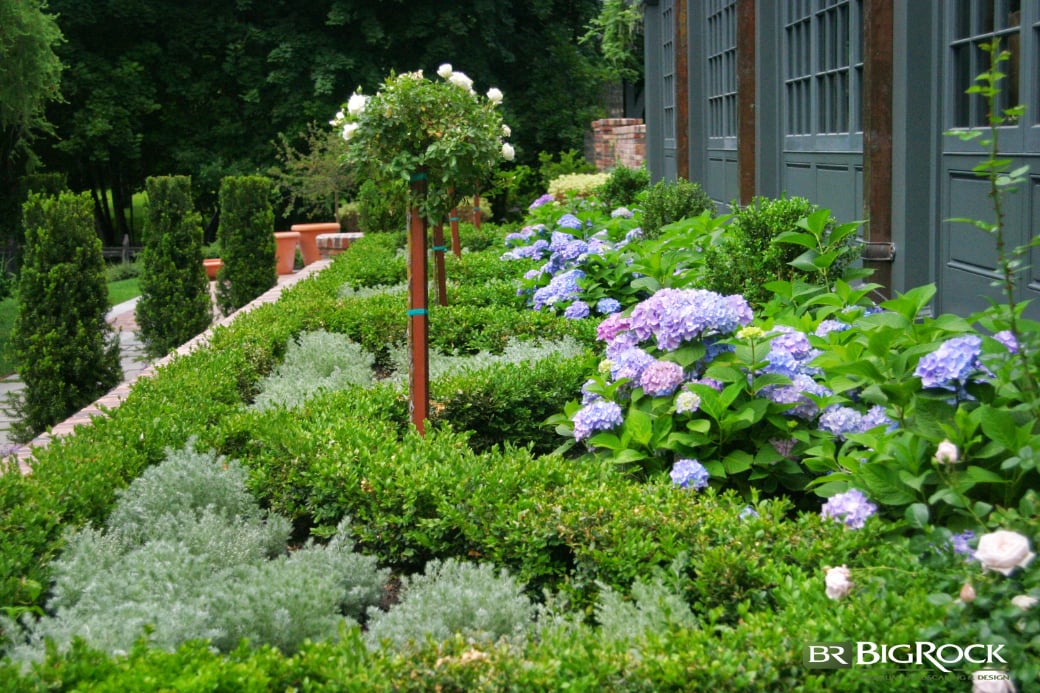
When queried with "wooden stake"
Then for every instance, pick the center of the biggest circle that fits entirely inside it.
(418, 324)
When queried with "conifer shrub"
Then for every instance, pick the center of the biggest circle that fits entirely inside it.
(246, 235)
(669, 201)
(175, 303)
(67, 354)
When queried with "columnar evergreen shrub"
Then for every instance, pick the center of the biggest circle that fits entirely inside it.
(247, 238)
(669, 201)
(175, 303)
(66, 351)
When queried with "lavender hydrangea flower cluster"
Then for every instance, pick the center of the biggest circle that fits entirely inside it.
(674, 316)
(598, 415)
(851, 507)
(844, 420)
(949, 366)
(543, 200)
(961, 545)
(687, 473)
(661, 378)
(560, 289)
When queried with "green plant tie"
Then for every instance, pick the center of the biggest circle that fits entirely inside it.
(453, 218)
(418, 177)
(441, 248)
(416, 311)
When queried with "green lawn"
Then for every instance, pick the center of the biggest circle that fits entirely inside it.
(118, 292)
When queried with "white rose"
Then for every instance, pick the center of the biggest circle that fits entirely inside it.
(460, 79)
(348, 130)
(1003, 551)
(506, 132)
(1024, 602)
(946, 453)
(444, 70)
(338, 119)
(356, 103)
(508, 152)
(991, 681)
(494, 95)
(838, 583)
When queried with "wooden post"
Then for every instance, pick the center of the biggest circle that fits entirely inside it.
(438, 263)
(418, 325)
(682, 90)
(877, 140)
(453, 221)
(746, 97)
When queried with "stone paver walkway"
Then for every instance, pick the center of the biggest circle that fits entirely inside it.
(135, 365)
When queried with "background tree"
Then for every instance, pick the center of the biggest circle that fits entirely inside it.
(30, 75)
(67, 354)
(175, 303)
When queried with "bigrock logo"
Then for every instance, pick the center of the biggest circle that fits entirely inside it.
(845, 655)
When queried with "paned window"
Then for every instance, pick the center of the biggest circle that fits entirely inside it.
(976, 23)
(721, 52)
(668, 71)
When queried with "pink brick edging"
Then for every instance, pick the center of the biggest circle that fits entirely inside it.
(116, 395)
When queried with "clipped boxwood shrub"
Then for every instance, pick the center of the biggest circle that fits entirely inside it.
(67, 353)
(175, 303)
(669, 201)
(247, 243)
(623, 187)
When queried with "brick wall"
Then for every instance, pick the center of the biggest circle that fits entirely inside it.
(618, 142)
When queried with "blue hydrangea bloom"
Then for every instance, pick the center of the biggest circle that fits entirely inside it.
(827, 326)
(949, 366)
(747, 512)
(790, 353)
(543, 200)
(599, 415)
(674, 316)
(606, 306)
(851, 507)
(844, 420)
(960, 543)
(630, 363)
(577, 311)
(688, 473)
(1006, 338)
(621, 213)
(569, 221)
(797, 393)
(560, 289)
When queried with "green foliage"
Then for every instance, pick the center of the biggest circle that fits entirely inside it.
(552, 166)
(375, 260)
(619, 32)
(313, 362)
(779, 239)
(623, 187)
(452, 598)
(311, 176)
(669, 201)
(513, 188)
(68, 355)
(187, 553)
(576, 184)
(175, 303)
(382, 207)
(247, 241)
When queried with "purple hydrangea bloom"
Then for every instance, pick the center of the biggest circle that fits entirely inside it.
(607, 306)
(586, 395)
(1006, 338)
(569, 221)
(710, 382)
(661, 378)
(950, 365)
(844, 420)
(622, 213)
(877, 416)
(747, 512)
(612, 326)
(622, 341)
(851, 507)
(531, 275)
(543, 200)
(797, 393)
(599, 415)
(789, 352)
(634, 235)
(674, 316)
(688, 473)
(577, 311)
(960, 543)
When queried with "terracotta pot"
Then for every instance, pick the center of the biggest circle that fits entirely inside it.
(309, 238)
(212, 266)
(285, 250)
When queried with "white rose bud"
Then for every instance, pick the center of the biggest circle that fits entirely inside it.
(356, 104)
(967, 593)
(338, 119)
(444, 70)
(991, 681)
(494, 95)
(506, 132)
(1003, 551)
(946, 453)
(838, 583)
(1024, 602)
(508, 152)
(348, 130)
